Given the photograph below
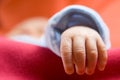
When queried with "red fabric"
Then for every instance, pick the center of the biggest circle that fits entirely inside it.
(20, 61)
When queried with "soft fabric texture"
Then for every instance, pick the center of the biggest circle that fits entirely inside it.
(20, 61)
(74, 15)
(30, 40)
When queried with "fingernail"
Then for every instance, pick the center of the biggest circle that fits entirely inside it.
(69, 71)
(89, 72)
(101, 68)
(80, 72)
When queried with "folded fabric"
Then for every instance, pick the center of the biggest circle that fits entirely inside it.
(20, 61)
(74, 15)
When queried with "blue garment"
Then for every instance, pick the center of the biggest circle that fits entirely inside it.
(74, 15)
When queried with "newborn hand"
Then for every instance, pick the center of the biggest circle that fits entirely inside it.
(82, 50)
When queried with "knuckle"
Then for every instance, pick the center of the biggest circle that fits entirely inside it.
(103, 54)
(66, 52)
(103, 50)
(79, 50)
(93, 52)
(79, 55)
(66, 48)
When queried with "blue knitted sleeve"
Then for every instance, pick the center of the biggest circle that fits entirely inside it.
(74, 15)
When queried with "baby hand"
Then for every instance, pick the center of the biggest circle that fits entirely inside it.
(82, 50)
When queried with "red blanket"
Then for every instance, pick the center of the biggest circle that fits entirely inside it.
(20, 61)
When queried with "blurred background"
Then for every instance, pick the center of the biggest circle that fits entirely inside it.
(14, 12)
